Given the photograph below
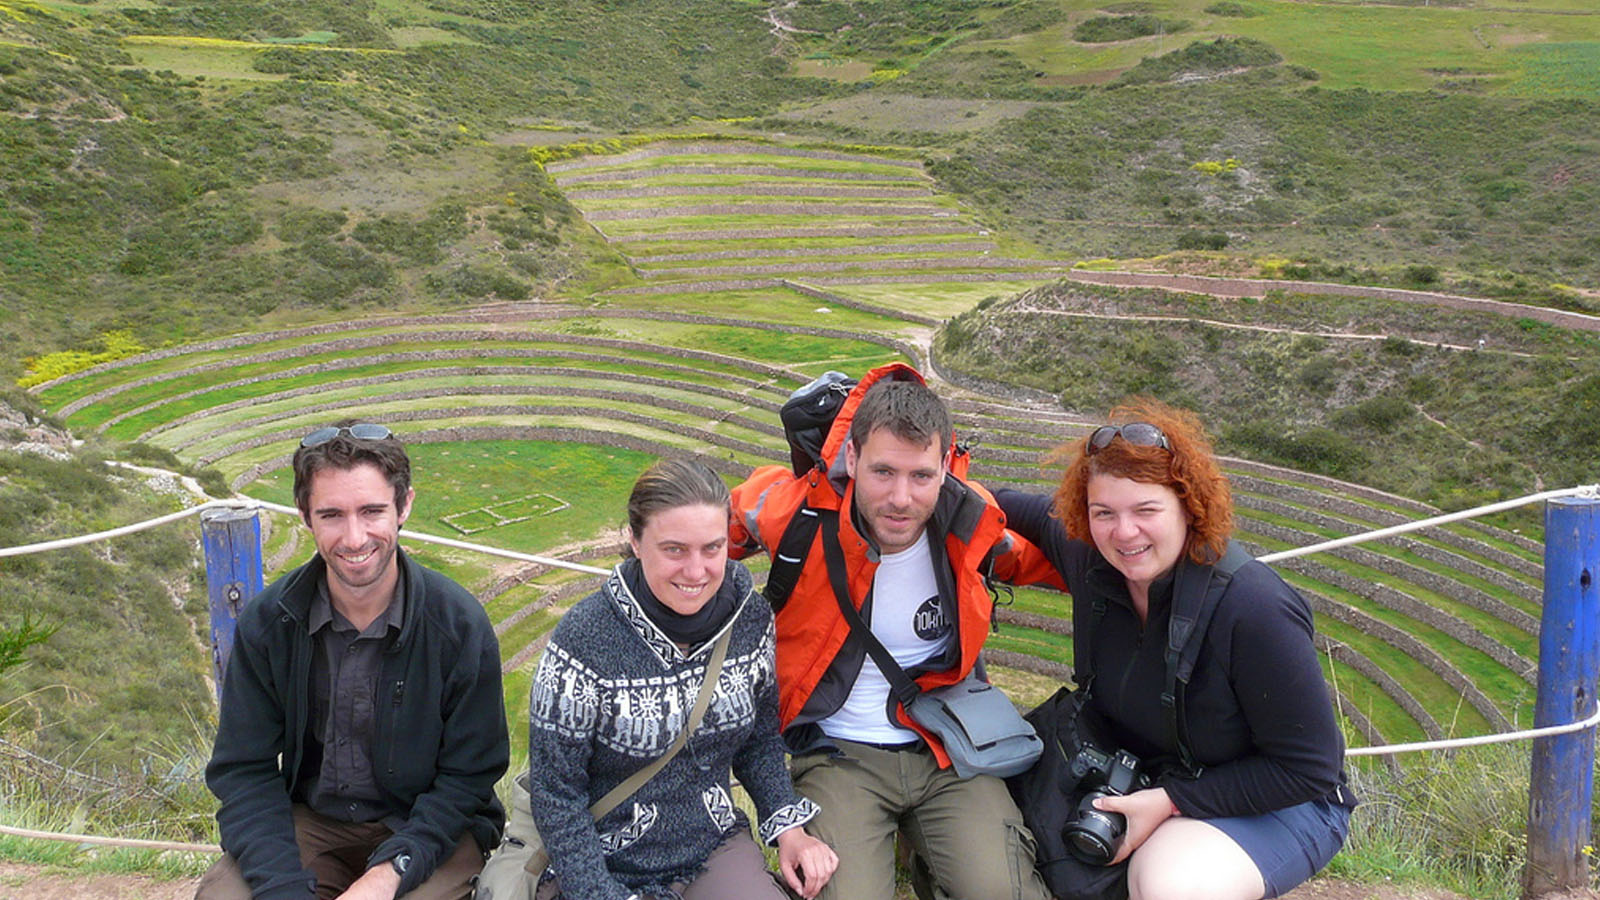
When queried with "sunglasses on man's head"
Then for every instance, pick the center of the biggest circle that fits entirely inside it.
(362, 431)
(1140, 434)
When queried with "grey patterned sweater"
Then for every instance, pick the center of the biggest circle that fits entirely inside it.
(611, 694)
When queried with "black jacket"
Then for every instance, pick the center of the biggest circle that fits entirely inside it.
(1260, 719)
(441, 740)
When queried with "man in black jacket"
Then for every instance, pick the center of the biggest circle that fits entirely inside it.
(362, 725)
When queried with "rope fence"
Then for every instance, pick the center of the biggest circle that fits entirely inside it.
(1591, 492)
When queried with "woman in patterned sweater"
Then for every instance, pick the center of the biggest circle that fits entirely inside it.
(614, 689)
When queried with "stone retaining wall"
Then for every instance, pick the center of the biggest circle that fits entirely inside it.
(1419, 611)
(654, 151)
(767, 372)
(471, 371)
(1473, 567)
(807, 252)
(978, 385)
(1247, 287)
(1048, 668)
(752, 188)
(757, 171)
(1343, 505)
(526, 433)
(710, 413)
(1416, 575)
(934, 266)
(860, 305)
(794, 231)
(1385, 682)
(426, 415)
(932, 210)
(1413, 648)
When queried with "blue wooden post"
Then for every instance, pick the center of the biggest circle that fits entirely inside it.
(232, 539)
(1569, 661)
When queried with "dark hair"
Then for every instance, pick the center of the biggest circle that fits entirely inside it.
(669, 484)
(345, 452)
(1190, 468)
(909, 409)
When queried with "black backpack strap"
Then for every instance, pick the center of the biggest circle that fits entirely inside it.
(1195, 594)
(1082, 640)
(789, 557)
(901, 687)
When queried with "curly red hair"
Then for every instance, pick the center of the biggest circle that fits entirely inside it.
(1190, 468)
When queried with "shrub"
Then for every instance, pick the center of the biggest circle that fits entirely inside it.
(1421, 275)
(1202, 240)
(1202, 57)
(1231, 10)
(114, 345)
(1103, 29)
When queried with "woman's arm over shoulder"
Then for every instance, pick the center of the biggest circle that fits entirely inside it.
(1029, 515)
(1277, 681)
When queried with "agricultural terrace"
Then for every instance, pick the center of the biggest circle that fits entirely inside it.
(529, 422)
(707, 217)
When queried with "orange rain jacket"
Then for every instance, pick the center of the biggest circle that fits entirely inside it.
(967, 531)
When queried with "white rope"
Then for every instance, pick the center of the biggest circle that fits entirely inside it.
(290, 511)
(1480, 740)
(133, 843)
(115, 532)
(452, 542)
(1588, 491)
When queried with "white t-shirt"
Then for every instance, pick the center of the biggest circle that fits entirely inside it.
(910, 623)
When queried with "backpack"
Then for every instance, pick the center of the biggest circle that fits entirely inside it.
(808, 417)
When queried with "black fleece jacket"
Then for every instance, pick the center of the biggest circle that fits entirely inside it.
(1260, 720)
(441, 739)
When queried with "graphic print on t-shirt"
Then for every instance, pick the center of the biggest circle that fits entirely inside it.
(930, 622)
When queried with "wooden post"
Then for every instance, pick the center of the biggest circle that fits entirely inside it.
(232, 539)
(1562, 785)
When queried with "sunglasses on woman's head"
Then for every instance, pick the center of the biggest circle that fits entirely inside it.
(363, 431)
(1140, 434)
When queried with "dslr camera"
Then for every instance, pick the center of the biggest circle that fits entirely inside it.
(1095, 835)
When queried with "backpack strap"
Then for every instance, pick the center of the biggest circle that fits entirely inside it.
(1195, 594)
(789, 558)
(901, 687)
(1082, 640)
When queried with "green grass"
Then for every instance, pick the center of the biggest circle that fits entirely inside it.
(456, 477)
(1349, 45)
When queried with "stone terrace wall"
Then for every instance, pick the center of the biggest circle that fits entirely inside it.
(472, 371)
(527, 433)
(713, 147)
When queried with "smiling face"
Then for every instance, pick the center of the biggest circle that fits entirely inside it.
(896, 486)
(353, 519)
(1140, 528)
(684, 553)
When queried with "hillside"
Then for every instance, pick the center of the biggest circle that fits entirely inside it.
(176, 167)
(548, 242)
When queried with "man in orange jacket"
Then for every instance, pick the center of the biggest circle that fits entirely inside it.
(917, 542)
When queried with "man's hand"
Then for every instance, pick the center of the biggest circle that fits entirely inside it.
(1145, 811)
(379, 883)
(806, 862)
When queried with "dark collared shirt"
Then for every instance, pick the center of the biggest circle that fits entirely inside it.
(344, 691)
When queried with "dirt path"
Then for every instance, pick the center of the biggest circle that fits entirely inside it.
(20, 882)
(23, 882)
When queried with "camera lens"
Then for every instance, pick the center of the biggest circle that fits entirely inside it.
(1094, 835)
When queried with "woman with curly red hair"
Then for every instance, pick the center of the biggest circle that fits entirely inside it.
(1142, 505)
